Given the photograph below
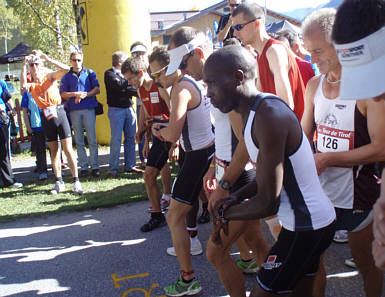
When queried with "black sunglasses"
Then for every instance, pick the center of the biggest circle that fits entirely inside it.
(183, 64)
(239, 27)
(76, 60)
(234, 5)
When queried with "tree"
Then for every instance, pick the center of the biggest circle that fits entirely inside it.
(48, 25)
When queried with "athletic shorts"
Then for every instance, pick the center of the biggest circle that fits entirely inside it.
(56, 127)
(294, 256)
(246, 177)
(353, 220)
(189, 181)
(158, 154)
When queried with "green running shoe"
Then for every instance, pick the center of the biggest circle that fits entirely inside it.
(247, 267)
(180, 288)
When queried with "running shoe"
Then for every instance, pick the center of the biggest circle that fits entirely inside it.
(164, 204)
(77, 188)
(180, 288)
(351, 263)
(205, 217)
(16, 185)
(195, 249)
(153, 223)
(341, 236)
(58, 187)
(247, 267)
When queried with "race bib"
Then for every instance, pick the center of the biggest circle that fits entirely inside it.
(50, 112)
(334, 140)
(154, 97)
(220, 168)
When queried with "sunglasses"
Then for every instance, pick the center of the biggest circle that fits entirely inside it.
(183, 64)
(76, 60)
(234, 5)
(156, 74)
(239, 27)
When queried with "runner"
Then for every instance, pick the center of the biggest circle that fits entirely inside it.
(55, 124)
(286, 177)
(350, 140)
(156, 105)
(363, 23)
(228, 129)
(190, 123)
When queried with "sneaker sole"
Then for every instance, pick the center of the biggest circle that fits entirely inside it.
(250, 271)
(194, 253)
(190, 293)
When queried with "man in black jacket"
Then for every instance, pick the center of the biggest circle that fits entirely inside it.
(121, 115)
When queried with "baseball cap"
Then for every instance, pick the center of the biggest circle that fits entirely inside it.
(139, 48)
(177, 54)
(34, 60)
(363, 66)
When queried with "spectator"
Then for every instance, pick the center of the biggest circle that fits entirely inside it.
(121, 115)
(6, 173)
(225, 29)
(46, 94)
(79, 87)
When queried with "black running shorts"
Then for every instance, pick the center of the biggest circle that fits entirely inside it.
(294, 256)
(189, 181)
(56, 127)
(158, 154)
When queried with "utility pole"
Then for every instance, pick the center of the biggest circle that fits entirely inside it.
(6, 41)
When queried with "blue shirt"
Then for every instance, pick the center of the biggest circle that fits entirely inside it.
(314, 66)
(33, 112)
(3, 85)
(84, 81)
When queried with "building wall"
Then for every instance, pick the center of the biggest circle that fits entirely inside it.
(200, 24)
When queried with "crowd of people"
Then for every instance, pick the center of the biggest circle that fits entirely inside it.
(280, 128)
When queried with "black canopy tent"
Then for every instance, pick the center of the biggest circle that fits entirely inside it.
(16, 55)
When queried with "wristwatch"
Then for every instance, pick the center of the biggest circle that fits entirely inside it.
(224, 184)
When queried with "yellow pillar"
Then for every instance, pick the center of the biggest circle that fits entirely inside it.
(109, 26)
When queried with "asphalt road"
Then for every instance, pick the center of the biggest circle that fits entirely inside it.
(103, 253)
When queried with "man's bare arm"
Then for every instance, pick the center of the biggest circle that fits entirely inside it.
(223, 33)
(307, 122)
(279, 66)
(269, 172)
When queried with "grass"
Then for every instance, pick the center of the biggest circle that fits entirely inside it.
(35, 198)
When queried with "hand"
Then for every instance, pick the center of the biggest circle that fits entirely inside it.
(82, 95)
(139, 136)
(29, 131)
(173, 154)
(155, 129)
(224, 203)
(215, 196)
(321, 162)
(379, 222)
(209, 181)
(218, 225)
(146, 149)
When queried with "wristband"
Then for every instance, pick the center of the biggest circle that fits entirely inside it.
(221, 212)
(212, 165)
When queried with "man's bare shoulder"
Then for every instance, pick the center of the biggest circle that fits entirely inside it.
(276, 51)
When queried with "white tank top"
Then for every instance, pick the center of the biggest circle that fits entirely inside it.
(335, 133)
(225, 140)
(197, 131)
(303, 204)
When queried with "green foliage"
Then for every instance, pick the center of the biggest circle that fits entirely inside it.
(8, 20)
(48, 25)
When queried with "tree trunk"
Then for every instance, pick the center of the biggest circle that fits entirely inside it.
(59, 40)
(78, 21)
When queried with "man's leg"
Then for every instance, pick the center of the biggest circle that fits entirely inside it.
(129, 131)
(165, 175)
(5, 161)
(70, 154)
(229, 273)
(77, 125)
(116, 116)
(176, 221)
(360, 245)
(319, 288)
(254, 239)
(41, 156)
(55, 157)
(89, 125)
(257, 291)
(152, 188)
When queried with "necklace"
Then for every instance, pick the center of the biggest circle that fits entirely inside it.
(332, 82)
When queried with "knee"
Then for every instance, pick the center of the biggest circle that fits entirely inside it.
(215, 254)
(149, 175)
(174, 218)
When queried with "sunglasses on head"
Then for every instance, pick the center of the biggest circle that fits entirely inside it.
(234, 5)
(239, 27)
(156, 74)
(183, 64)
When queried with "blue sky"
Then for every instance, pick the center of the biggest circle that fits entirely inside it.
(276, 5)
